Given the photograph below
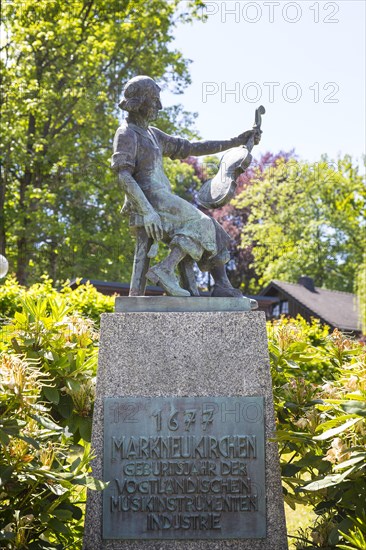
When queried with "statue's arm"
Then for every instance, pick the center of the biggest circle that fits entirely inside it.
(141, 205)
(134, 193)
(123, 162)
(198, 148)
(179, 148)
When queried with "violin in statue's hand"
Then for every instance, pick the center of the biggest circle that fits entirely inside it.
(219, 190)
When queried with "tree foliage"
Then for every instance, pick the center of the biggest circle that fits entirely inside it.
(306, 219)
(64, 65)
(233, 217)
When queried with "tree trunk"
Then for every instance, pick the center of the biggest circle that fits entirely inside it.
(2, 212)
(53, 261)
(23, 241)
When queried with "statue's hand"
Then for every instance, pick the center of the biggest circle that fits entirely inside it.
(245, 136)
(257, 135)
(153, 227)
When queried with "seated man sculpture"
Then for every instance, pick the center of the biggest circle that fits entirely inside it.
(191, 235)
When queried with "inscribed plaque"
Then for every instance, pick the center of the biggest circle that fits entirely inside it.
(184, 468)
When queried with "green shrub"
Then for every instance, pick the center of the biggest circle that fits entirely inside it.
(47, 378)
(296, 348)
(85, 299)
(43, 477)
(321, 431)
(47, 392)
(64, 345)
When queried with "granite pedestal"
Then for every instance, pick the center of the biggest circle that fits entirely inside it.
(213, 354)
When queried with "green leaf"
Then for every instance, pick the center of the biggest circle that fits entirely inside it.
(72, 385)
(65, 406)
(289, 470)
(11, 426)
(56, 489)
(6, 535)
(5, 473)
(85, 428)
(62, 514)
(324, 507)
(30, 440)
(350, 462)
(354, 397)
(345, 525)
(76, 512)
(310, 459)
(47, 423)
(52, 394)
(58, 526)
(90, 483)
(328, 481)
(355, 407)
(334, 422)
(75, 464)
(4, 438)
(291, 406)
(333, 537)
(292, 364)
(73, 423)
(335, 431)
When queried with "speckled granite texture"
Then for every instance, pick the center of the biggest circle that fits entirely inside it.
(186, 354)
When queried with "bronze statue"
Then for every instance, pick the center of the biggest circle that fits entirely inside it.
(159, 215)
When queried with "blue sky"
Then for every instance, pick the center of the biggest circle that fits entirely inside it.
(304, 61)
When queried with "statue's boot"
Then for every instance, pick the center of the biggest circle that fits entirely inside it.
(167, 280)
(188, 277)
(224, 291)
(221, 291)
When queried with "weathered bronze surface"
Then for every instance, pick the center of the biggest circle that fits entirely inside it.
(124, 304)
(219, 190)
(184, 468)
(159, 215)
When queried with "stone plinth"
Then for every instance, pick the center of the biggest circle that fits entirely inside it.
(163, 304)
(186, 354)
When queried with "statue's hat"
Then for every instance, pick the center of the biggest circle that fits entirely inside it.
(137, 87)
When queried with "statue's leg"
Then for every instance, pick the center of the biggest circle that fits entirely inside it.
(141, 262)
(219, 275)
(223, 287)
(187, 276)
(163, 273)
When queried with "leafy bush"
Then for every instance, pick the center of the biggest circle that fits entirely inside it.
(49, 358)
(64, 346)
(321, 430)
(43, 477)
(46, 400)
(296, 348)
(85, 299)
